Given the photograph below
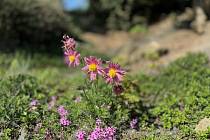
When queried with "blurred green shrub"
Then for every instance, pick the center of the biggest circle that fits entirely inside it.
(138, 29)
(33, 23)
(124, 14)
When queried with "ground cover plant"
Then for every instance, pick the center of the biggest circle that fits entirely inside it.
(179, 96)
(97, 99)
(73, 115)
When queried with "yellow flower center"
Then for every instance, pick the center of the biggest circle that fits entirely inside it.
(112, 73)
(92, 67)
(71, 58)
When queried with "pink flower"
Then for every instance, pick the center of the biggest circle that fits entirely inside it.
(62, 111)
(95, 134)
(72, 58)
(107, 133)
(64, 121)
(114, 74)
(69, 43)
(80, 135)
(93, 67)
(77, 100)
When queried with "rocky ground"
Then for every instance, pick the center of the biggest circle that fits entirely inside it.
(154, 49)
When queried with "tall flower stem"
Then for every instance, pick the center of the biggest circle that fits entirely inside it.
(90, 102)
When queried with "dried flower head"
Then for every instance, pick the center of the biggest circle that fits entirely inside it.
(118, 89)
(68, 43)
(51, 104)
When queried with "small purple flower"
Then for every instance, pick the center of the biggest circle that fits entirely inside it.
(34, 103)
(98, 122)
(64, 121)
(78, 99)
(95, 134)
(110, 131)
(133, 123)
(62, 111)
(107, 133)
(80, 135)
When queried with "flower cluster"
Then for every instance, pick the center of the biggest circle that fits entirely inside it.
(98, 133)
(68, 43)
(34, 103)
(133, 123)
(78, 99)
(63, 116)
(113, 74)
(62, 111)
(80, 135)
(72, 57)
(106, 133)
(98, 122)
(64, 121)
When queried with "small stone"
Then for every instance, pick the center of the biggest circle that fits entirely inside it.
(203, 125)
(199, 22)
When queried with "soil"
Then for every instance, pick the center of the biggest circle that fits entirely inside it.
(160, 36)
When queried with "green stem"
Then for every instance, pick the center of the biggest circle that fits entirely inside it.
(90, 102)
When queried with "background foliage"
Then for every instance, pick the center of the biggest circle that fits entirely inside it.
(123, 14)
(34, 24)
